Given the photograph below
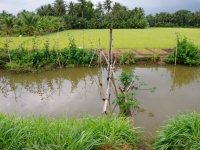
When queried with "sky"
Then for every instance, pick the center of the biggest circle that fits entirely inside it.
(149, 6)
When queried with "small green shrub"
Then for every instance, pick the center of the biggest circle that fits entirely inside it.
(187, 53)
(128, 58)
(3, 58)
(181, 132)
(126, 100)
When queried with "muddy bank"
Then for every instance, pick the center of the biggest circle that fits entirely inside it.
(142, 56)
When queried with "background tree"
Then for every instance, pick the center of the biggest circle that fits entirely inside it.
(99, 8)
(107, 5)
(71, 8)
(45, 10)
(29, 21)
(7, 24)
(59, 7)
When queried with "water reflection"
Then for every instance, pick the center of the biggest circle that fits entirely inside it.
(183, 76)
(28, 92)
(45, 84)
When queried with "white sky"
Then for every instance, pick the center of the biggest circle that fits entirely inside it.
(150, 6)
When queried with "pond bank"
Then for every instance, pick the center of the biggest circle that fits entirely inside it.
(144, 56)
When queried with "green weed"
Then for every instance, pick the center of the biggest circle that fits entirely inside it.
(69, 134)
(36, 60)
(181, 132)
(187, 53)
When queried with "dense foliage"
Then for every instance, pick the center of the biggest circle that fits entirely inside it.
(187, 53)
(22, 60)
(181, 132)
(61, 16)
(70, 134)
(181, 18)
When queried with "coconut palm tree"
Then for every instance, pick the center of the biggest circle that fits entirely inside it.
(29, 21)
(7, 24)
(82, 6)
(71, 8)
(59, 7)
(99, 8)
(107, 5)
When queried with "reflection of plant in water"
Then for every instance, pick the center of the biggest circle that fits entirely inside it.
(45, 85)
(182, 75)
(4, 86)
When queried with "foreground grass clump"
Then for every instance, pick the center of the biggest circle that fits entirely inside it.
(181, 132)
(70, 134)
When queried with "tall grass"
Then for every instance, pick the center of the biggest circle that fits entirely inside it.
(180, 133)
(70, 134)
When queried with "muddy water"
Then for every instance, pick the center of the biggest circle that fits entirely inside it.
(74, 92)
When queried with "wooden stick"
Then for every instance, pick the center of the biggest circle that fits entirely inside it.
(104, 56)
(92, 57)
(55, 42)
(121, 59)
(133, 80)
(8, 49)
(176, 50)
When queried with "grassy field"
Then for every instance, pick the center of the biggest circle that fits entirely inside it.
(152, 38)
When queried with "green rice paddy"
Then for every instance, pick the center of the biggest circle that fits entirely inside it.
(150, 38)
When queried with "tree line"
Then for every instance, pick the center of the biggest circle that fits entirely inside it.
(181, 18)
(82, 14)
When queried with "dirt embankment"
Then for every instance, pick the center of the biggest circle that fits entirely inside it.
(145, 53)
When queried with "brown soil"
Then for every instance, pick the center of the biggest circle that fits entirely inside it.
(142, 53)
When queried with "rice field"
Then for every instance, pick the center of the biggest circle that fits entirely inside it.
(150, 38)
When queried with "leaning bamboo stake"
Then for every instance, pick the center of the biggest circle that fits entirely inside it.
(121, 59)
(55, 43)
(8, 49)
(176, 50)
(92, 58)
(102, 53)
(100, 77)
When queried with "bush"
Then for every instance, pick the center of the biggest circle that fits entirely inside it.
(36, 60)
(127, 58)
(187, 53)
(181, 132)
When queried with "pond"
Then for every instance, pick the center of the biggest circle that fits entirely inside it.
(75, 92)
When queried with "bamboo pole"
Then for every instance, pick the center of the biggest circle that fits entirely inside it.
(8, 49)
(108, 91)
(92, 58)
(55, 43)
(104, 56)
(176, 50)
(100, 77)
